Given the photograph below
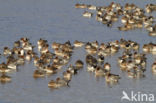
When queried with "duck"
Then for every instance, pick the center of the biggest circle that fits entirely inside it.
(38, 73)
(91, 60)
(114, 49)
(49, 69)
(3, 68)
(91, 7)
(28, 46)
(99, 71)
(78, 43)
(123, 28)
(5, 78)
(81, 6)
(79, 64)
(55, 45)
(20, 60)
(88, 45)
(130, 65)
(146, 48)
(12, 65)
(135, 46)
(61, 82)
(102, 46)
(24, 40)
(28, 56)
(57, 66)
(123, 65)
(87, 14)
(153, 33)
(100, 59)
(58, 83)
(91, 68)
(67, 75)
(59, 53)
(19, 51)
(124, 19)
(107, 67)
(92, 50)
(17, 44)
(7, 51)
(153, 49)
(41, 41)
(72, 69)
(44, 49)
(53, 84)
(112, 78)
(138, 59)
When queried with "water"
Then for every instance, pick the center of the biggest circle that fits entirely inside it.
(59, 21)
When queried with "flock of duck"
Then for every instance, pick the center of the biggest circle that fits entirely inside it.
(49, 63)
(133, 17)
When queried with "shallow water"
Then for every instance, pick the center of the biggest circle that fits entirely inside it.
(59, 21)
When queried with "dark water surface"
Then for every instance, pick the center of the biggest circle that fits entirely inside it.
(58, 20)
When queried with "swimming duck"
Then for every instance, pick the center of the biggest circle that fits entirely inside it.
(112, 78)
(78, 43)
(99, 18)
(107, 67)
(91, 60)
(28, 56)
(4, 78)
(123, 65)
(28, 46)
(82, 6)
(17, 43)
(135, 46)
(3, 68)
(123, 28)
(44, 49)
(53, 84)
(79, 64)
(99, 71)
(72, 69)
(153, 33)
(100, 58)
(7, 51)
(61, 82)
(20, 60)
(55, 45)
(91, 7)
(130, 64)
(49, 69)
(38, 73)
(91, 68)
(41, 42)
(92, 50)
(12, 65)
(87, 14)
(67, 75)
(114, 49)
(146, 48)
(124, 19)
(58, 83)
